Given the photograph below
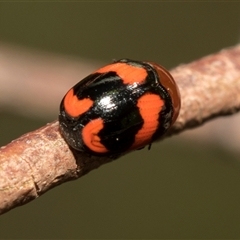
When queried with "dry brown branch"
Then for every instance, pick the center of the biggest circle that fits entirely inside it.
(40, 160)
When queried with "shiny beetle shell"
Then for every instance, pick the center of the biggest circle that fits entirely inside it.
(120, 107)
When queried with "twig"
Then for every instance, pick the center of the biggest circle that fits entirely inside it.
(40, 160)
(209, 87)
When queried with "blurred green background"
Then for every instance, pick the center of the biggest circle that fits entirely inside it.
(179, 189)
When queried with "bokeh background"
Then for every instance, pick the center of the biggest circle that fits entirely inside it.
(184, 187)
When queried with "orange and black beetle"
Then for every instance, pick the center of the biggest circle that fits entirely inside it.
(120, 107)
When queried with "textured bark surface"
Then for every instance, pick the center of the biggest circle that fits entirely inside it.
(40, 160)
(36, 162)
(209, 87)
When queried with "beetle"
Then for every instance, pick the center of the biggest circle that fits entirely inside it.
(120, 107)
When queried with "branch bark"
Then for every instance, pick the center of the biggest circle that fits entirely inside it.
(41, 160)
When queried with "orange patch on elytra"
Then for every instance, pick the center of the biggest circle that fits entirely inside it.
(91, 138)
(75, 107)
(128, 73)
(149, 106)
